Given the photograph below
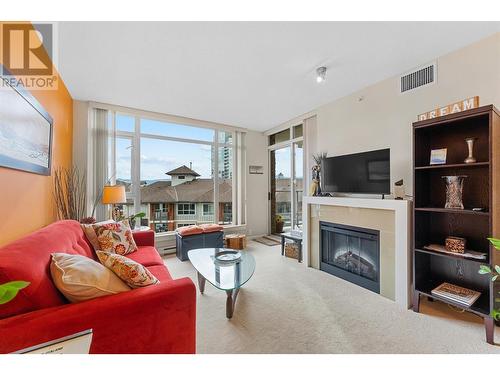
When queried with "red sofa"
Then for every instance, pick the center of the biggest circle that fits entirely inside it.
(154, 319)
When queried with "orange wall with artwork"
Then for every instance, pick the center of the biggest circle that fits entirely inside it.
(26, 202)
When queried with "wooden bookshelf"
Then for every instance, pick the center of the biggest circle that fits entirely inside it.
(432, 223)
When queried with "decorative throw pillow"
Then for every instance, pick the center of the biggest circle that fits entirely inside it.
(115, 237)
(89, 232)
(80, 278)
(133, 273)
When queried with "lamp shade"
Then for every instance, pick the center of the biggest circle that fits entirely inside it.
(114, 194)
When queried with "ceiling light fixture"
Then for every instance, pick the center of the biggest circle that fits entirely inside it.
(321, 74)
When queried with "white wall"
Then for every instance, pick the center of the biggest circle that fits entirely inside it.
(384, 117)
(256, 184)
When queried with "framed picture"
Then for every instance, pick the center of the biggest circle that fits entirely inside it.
(255, 169)
(438, 156)
(25, 130)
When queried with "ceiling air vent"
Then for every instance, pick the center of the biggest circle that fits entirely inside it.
(418, 78)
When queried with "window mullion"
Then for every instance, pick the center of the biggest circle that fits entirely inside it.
(215, 168)
(136, 166)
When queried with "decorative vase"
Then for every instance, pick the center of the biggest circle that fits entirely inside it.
(316, 181)
(132, 223)
(470, 146)
(279, 226)
(454, 190)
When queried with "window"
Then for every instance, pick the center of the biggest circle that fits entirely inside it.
(282, 136)
(160, 227)
(208, 209)
(297, 131)
(123, 147)
(172, 169)
(227, 211)
(184, 224)
(186, 209)
(125, 123)
(176, 131)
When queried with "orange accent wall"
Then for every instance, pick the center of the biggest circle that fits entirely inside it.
(26, 202)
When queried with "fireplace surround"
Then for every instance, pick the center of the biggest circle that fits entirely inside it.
(391, 217)
(351, 253)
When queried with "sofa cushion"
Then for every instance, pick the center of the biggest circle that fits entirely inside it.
(146, 255)
(189, 230)
(115, 237)
(134, 274)
(161, 273)
(209, 228)
(80, 278)
(29, 259)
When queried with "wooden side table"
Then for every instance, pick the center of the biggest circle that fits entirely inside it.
(296, 239)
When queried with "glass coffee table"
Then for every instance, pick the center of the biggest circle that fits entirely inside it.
(228, 277)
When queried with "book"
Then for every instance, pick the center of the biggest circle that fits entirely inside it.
(456, 293)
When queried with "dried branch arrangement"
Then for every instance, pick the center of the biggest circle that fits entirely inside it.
(70, 193)
(318, 158)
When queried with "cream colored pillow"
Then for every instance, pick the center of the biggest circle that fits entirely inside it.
(89, 231)
(80, 278)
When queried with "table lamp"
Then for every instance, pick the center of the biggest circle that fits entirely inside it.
(114, 194)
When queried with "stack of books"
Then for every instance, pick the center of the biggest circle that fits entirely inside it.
(456, 294)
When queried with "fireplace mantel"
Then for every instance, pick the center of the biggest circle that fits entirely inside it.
(400, 210)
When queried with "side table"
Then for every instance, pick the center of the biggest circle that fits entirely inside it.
(296, 239)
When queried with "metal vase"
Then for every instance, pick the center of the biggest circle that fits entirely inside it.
(470, 146)
(454, 190)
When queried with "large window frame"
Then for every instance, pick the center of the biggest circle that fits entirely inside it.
(136, 136)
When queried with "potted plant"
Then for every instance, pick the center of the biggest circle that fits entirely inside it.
(279, 223)
(8, 291)
(484, 269)
(131, 219)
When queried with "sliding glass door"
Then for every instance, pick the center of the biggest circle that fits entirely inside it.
(281, 190)
(298, 183)
(286, 179)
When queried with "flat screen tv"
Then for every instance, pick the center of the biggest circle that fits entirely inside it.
(362, 173)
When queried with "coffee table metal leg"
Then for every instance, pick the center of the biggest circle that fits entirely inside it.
(201, 282)
(230, 301)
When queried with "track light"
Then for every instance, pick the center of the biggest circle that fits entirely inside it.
(321, 74)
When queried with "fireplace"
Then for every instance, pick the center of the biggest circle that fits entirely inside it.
(351, 253)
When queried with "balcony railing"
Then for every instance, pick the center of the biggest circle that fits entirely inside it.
(160, 216)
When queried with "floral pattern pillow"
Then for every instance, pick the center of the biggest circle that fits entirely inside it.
(115, 237)
(134, 274)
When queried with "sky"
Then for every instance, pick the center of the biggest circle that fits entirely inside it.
(161, 156)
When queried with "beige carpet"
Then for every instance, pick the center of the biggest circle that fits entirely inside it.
(289, 308)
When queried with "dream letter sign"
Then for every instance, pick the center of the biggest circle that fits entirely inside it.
(460, 106)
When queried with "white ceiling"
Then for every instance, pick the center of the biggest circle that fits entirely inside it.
(256, 74)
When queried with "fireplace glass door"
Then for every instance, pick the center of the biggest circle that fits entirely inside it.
(351, 253)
